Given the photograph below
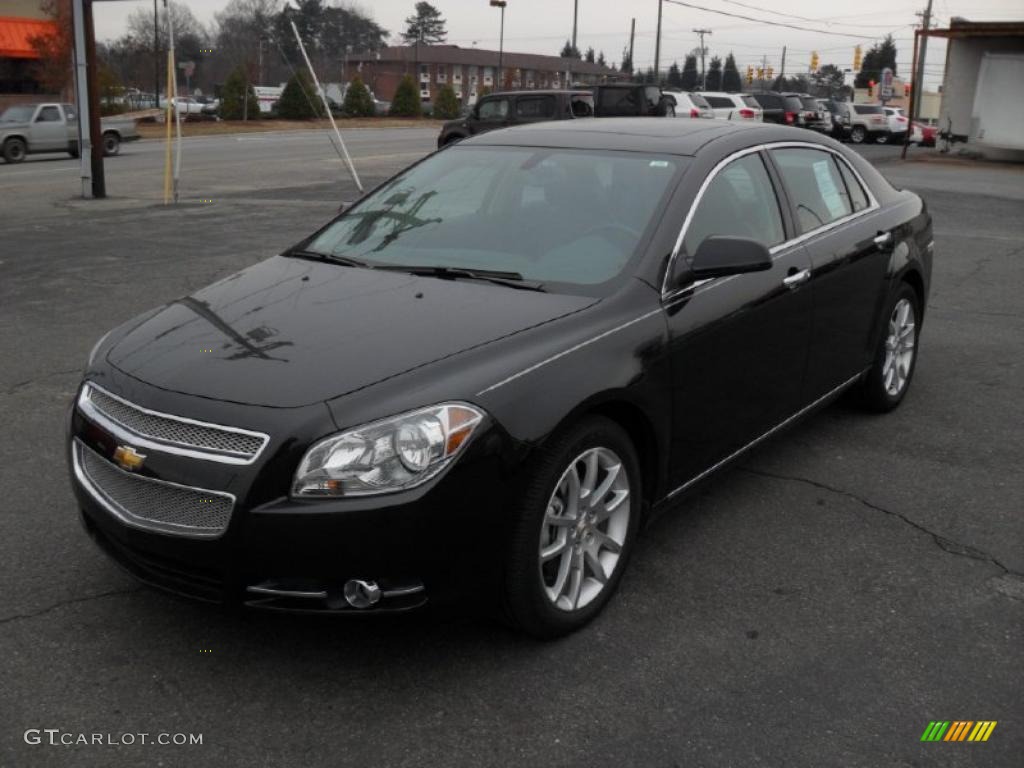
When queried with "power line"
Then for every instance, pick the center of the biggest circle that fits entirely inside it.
(803, 18)
(771, 23)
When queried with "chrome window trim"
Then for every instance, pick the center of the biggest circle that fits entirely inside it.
(125, 433)
(126, 517)
(873, 206)
(766, 435)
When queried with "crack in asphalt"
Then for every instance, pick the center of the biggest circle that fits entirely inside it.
(35, 379)
(943, 542)
(71, 601)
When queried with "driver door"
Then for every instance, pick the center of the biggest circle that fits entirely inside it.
(491, 113)
(49, 133)
(738, 344)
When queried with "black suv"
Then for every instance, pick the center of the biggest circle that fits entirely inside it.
(500, 110)
(631, 100)
(781, 108)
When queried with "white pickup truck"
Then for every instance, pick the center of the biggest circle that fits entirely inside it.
(30, 128)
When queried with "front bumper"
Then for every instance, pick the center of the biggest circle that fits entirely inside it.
(438, 542)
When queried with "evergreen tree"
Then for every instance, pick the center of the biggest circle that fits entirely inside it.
(877, 58)
(234, 95)
(447, 105)
(688, 79)
(299, 100)
(358, 102)
(601, 60)
(569, 52)
(407, 99)
(627, 62)
(714, 75)
(731, 76)
(426, 26)
(675, 77)
(590, 56)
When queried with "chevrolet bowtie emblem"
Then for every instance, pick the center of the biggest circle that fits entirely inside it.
(127, 458)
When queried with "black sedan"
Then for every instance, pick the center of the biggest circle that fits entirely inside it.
(477, 383)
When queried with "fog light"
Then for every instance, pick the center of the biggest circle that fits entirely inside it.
(361, 594)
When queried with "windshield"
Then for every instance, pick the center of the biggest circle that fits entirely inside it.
(21, 114)
(551, 215)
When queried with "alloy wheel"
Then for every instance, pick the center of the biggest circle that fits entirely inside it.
(899, 348)
(584, 529)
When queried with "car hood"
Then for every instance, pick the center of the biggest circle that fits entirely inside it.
(290, 332)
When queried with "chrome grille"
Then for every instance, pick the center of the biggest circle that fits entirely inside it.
(220, 442)
(153, 504)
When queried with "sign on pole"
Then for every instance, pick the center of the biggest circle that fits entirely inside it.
(885, 92)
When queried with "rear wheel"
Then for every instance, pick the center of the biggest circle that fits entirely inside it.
(15, 150)
(883, 138)
(111, 144)
(858, 134)
(886, 384)
(574, 529)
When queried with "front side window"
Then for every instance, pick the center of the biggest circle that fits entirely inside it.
(494, 110)
(558, 216)
(48, 115)
(815, 187)
(739, 202)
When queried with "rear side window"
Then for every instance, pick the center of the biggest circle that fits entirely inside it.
(810, 103)
(700, 101)
(618, 101)
(739, 202)
(719, 102)
(769, 100)
(815, 187)
(858, 197)
(865, 109)
(535, 107)
(750, 101)
(793, 103)
(494, 110)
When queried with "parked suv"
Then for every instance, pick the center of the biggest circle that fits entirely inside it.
(688, 105)
(898, 125)
(778, 107)
(631, 100)
(733, 106)
(810, 115)
(500, 110)
(868, 122)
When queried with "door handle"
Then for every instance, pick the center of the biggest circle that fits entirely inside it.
(797, 278)
(883, 239)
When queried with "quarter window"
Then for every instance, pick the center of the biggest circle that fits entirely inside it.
(815, 187)
(739, 202)
(858, 199)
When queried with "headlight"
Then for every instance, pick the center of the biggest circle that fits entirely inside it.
(389, 455)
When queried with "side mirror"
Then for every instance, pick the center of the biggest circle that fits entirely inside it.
(719, 256)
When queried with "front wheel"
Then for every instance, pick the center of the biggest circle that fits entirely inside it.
(858, 134)
(15, 150)
(574, 529)
(111, 144)
(886, 384)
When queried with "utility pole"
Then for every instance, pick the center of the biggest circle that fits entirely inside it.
(575, 20)
(82, 96)
(917, 86)
(764, 71)
(782, 66)
(632, 38)
(99, 183)
(657, 50)
(156, 57)
(703, 50)
(501, 39)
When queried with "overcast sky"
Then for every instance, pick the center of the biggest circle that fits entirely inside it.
(542, 26)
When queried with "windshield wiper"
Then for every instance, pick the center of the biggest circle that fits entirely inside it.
(498, 277)
(346, 261)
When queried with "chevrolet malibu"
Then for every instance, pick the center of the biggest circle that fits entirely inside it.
(476, 384)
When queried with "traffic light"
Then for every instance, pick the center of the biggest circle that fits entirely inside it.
(760, 73)
(814, 61)
(856, 59)
(871, 88)
(750, 74)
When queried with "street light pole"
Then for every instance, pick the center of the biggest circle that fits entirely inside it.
(156, 57)
(703, 72)
(501, 39)
(657, 49)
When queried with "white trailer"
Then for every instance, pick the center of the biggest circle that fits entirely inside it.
(998, 113)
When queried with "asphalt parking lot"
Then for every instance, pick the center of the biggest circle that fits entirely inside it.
(850, 581)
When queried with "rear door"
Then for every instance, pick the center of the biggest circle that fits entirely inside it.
(535, 109)
(738, 344)
(49, 132)
(836, 214)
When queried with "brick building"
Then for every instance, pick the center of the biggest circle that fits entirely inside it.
(469, 70)
(20, 21)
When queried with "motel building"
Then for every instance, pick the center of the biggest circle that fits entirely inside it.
(470, 72)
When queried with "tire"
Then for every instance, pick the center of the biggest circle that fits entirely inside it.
(15, 150)
(542, 595)
(858, 134)
(886, 384)
(883, 138)
(73, 149)
(111, 144)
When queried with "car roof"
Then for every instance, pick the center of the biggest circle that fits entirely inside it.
(540, 92)
(638, 134)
